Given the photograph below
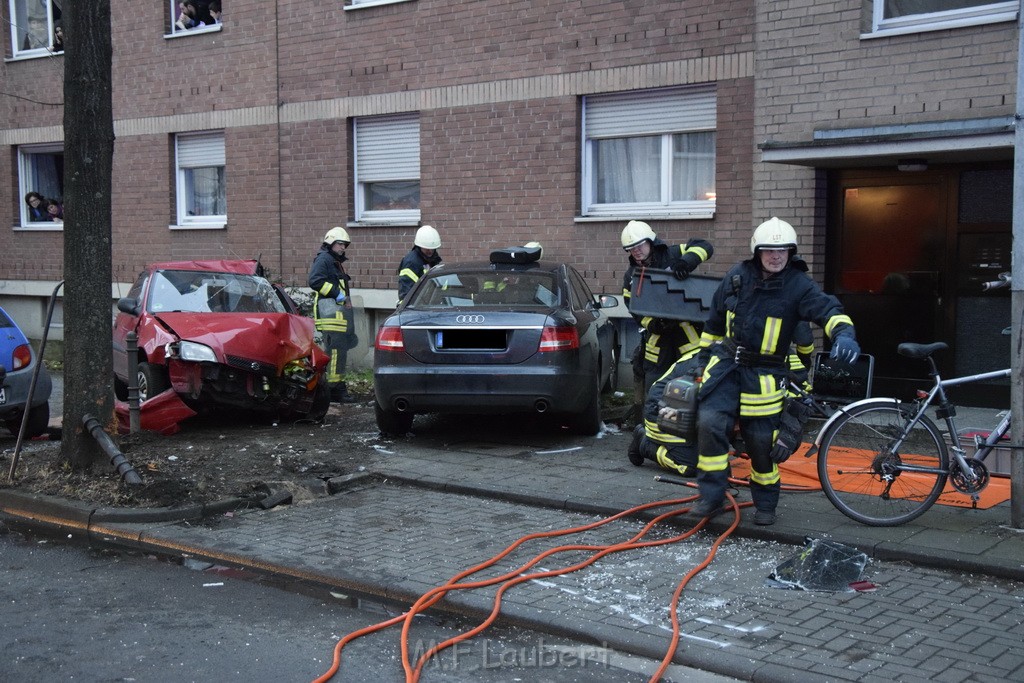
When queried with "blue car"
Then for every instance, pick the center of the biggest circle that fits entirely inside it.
(17, 363)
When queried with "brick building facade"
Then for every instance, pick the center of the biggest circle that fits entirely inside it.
(806, 99)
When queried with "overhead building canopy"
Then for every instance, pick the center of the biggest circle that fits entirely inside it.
(934, 143)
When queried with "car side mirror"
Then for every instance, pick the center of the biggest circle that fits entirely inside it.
(608, 301)
(129, 305)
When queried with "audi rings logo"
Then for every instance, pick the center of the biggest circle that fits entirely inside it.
(469, 319)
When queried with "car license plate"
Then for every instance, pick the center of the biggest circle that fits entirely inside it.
(3, 395)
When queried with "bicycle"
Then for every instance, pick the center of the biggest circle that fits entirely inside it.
(883, 462)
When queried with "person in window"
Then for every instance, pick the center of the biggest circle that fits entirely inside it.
(332, 308)
(214, 11)
(36, 207)
(58, 37)
(55, 210)
(188, 16)
(422, 257)
(662, 341)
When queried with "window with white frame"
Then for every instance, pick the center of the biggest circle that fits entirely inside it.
(195, 15)
(36, 27)
(41, 185)
(387, 168)
(650, 153)
(202, 191)
(907, 16)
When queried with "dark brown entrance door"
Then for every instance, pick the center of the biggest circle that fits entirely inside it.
(906, 255)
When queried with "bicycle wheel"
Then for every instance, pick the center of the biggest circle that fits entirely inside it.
(869, 483)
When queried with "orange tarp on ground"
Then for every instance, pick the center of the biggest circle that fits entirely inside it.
(800, 471)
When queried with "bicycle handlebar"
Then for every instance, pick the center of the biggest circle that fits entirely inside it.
(1003, 281)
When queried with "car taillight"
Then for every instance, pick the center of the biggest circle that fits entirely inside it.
(559, 339)
(22, 356)
(389, 339)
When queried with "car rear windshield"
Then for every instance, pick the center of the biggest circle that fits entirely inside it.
(488, 288)
(204, 292)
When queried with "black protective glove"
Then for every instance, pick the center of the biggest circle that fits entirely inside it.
(791, 431)
(681, 270)
(845, 349)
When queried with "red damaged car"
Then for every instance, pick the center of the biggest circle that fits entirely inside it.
(220, 335)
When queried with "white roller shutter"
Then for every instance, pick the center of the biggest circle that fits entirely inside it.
(388, 148)
(200, 150)
(650, 112)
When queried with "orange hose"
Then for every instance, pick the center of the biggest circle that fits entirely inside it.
(373, 628)
(412, 676)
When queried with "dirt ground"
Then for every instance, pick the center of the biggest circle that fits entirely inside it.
(215, 458)
(209, 459)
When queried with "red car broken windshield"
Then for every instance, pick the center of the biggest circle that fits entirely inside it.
(206, 292)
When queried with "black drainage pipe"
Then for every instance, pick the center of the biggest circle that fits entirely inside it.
(117, 459)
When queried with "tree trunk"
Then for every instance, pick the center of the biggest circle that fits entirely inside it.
(88, 159)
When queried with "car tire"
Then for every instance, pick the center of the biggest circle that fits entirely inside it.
(392, 422)
(38, 422)
(588, 421)
(120, 389)
(612, 383)
(152, 381)
(321, 401)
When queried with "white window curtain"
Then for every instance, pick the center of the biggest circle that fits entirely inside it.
(650, 152)
(202, 190)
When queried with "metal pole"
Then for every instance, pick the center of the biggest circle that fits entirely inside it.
(132, 344)
(1017, 294)
(32, 383)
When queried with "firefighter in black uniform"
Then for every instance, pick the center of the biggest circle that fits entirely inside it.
(676, 453)
(422, 257)
(662, 341)
(746, 339)
(332, 308)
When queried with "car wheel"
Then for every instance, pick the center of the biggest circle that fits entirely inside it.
(120, 389)
(38, 421)
(152, 381)
(392, 422)
(321, 401)
(612, 383)
(588, 421)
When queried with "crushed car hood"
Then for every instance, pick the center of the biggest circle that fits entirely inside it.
(270, 337)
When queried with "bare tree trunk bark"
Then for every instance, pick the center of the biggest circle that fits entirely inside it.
(88, 156)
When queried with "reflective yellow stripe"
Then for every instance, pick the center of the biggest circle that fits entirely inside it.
(702, 253)
(729, 315)
(707, 339)
(654, 432)
(806, 350)
(693, 341)
(707, 369)
(765, 478)
(409, 273)
(668, 463)
(794, 362)
(713, 463)
(332, 368)
(770, 338)
(836, 320)
(325, 288)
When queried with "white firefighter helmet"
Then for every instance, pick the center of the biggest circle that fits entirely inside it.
(536, 245)
(337, 235)
(774, 233)
(427, 238)
(636, 232)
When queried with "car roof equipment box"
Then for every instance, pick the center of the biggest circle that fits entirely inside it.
(516, 255)
(659, 294)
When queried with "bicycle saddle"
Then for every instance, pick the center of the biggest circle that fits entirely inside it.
(911, 350)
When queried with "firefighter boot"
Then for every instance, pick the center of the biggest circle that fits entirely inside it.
(635, 453)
